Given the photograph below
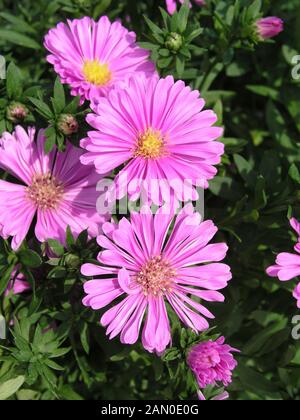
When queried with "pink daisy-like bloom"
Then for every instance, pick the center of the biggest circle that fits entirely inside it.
(58, 190)
(93, 57)
(158, 128)
(172, 5)
(18, 284)
(287, 264)
(269, 27)
(141, 265)
(212, 362)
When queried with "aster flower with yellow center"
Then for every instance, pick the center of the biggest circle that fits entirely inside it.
(158, 129)
(94, 57)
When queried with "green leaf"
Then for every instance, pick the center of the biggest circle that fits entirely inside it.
(84, 337)
(180, 64)
(171, 354)
(20, 24)
(72, 107)
(13, 82)
(266, 91)
(50, 142)
(164, 62)
(183, 16)
(54, 365)
(260, 193)
(42, 108)
(226, 187)
(18, 39)
(5, 279)
(10, 387)
(245, 169)
(234, 145)
(101, 7)
(69, 394)
(254, 9)
(82, 239)
(59, 96)
(56, 247)
(294, 173)
(194, 34)
(254, 381)
(69, 237)
(30, 258)
(57, 273)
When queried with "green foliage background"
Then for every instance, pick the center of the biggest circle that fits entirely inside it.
(55, 348)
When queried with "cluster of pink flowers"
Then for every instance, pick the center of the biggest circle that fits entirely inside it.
(147, 128)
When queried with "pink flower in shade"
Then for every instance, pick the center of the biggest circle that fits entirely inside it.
(58, 190)
(172, 6)
(212, 362)
(148, 268)
(269, 27)
(159, 130)
(18, 284)
(93, 57)
(287, 264)
(221, 397)
(296, 295)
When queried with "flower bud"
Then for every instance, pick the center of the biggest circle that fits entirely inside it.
(16, 112)
(269, 27)
(174, 42)
(67, 124)
(72, 261)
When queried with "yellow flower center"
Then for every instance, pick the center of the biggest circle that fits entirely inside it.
(150, 144)
(156, 277)
(45, 192)
(96, 73)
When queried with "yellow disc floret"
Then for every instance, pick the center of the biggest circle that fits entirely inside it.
(96, 73)
(150, 144)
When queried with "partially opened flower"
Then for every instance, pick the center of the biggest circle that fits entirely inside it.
(17, 284)
(269, 27)
(147, 269)
(55, 188)
(158, 128)
(172, 6)
(288, 265)
(212, 362)
(93, 57)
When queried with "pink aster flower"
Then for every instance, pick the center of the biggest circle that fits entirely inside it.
(212, 362)
(147, 268)
(58, 190)
(172, 6)
(18, 284)
(158, 128)
(93, 57)
(269, 27)
(287, 264)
